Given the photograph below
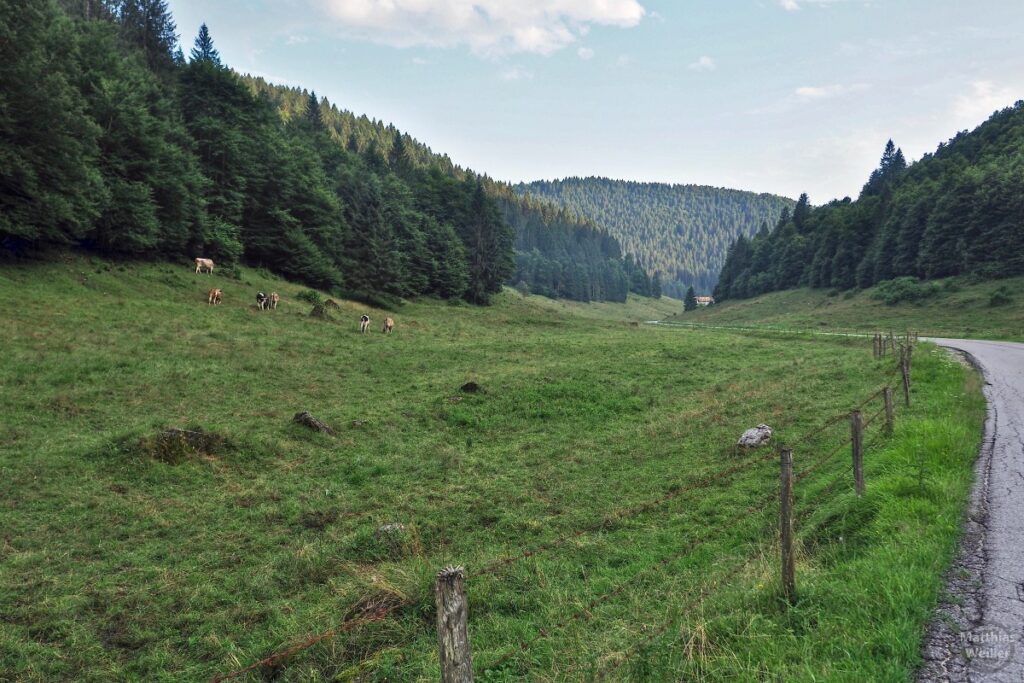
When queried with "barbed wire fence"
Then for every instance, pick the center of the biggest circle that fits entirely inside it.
(451, 599)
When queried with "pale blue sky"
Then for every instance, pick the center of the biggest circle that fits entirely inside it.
(779, 96)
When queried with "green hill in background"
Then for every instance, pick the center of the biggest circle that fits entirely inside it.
(681, 232)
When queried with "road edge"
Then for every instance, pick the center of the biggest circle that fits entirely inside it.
(962, 603)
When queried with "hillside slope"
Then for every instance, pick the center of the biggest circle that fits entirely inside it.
(681, 231)
(948, 308)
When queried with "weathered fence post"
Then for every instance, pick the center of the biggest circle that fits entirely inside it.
(452, 626)
(786, 525)
(876, 347)
(857, 438)
(892, 342)
(887, 395)
(905, 371)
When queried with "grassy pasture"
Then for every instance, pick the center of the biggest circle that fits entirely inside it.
(121, 561)
(956, 308)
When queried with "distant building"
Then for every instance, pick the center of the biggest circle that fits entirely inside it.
(705, 300)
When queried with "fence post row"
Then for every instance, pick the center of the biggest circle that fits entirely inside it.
(786, 524)
(452, 626)
(857, 439)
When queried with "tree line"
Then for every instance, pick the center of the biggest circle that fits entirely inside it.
(959, 211)
(680, 232)
(111, 139)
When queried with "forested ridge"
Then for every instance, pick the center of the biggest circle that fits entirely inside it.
(112, 140)
(680, 232)
(959, 211)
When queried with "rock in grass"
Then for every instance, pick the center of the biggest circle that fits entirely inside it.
(304, 418)
(758, 436)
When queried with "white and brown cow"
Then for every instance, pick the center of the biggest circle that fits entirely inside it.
(389, 326)
(214, 296)
(274, 299)
(204, 264)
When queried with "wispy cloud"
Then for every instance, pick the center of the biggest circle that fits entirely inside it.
(789, 5)
(296, 40)
(487, 27)
(824, 92)
(585, 53)
(419, 61)
(705, 63)
(516, 73)
(985, 98)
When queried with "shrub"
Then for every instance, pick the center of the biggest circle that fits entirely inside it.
(1001, 297)
(904, 289)
(311, 296)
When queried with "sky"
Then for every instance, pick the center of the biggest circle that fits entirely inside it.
(781, 96)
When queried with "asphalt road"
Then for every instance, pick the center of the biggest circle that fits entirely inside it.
(978, 634)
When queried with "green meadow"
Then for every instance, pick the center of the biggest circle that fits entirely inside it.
(954, 307)
(594, 441)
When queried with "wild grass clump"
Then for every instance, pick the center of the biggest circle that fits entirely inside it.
(174, 446)
(1002, 296)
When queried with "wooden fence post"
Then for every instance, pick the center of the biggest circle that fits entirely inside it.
(892, 342)
(452, 626)
(786, 524)
(857, 438)
(905, 371)
(887, 394)
(876, 347)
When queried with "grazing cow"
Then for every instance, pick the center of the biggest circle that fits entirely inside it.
(364, 324)
(274, 298)
(389, 326)
(204, 264)
(262, 300)
(214, 296)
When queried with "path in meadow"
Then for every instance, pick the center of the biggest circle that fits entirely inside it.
(978, 634)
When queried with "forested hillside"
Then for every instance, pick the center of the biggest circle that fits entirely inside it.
(681, 232)
(558, 254)
(112, 140)
(959, 211)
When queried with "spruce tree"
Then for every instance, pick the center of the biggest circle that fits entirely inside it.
(313, 116)
(690, 302)
(204, 51)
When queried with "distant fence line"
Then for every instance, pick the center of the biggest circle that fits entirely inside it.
(451, 599)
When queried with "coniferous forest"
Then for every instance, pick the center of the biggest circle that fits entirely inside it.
(679, 232)
(959, 211)
(113, 140)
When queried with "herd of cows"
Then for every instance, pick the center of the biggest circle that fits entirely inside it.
(265, 302)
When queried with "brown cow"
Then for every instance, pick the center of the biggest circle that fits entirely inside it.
(204, 264)
(274, 298)
(389, 326)
(364, 323)
(214, 296)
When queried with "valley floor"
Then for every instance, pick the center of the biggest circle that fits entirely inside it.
(608, 527)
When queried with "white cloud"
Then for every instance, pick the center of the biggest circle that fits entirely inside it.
(297, 40)
(624, 60)
(585, 53)
(824, 92)
(794, 5)
(487, 27)
(705, 63)
(985, 98)
(516, 73)
(419, 61)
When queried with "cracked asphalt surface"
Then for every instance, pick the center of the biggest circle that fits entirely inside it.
(978, 632)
